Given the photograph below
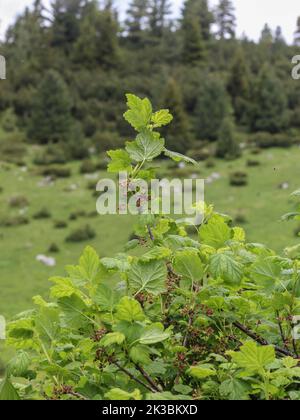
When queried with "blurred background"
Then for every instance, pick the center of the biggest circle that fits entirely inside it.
(224, 74)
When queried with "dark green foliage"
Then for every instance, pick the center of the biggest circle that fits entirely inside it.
(225, 19)
(239, 179)
(18, 201)
(15, 221)
(82, 234)
(53, 249)
(56, 172)
(297, 33)
(265, 140)
(44, 213)
(87, 167)
(199, 9)
(178, 136)
(213, 105)
(269, 103)
(228, 146)
(51, 120)
(60, 224)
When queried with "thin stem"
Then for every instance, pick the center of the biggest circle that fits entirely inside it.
(148, 378)
(134, 378)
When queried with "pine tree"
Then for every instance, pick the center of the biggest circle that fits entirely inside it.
(177, 134)
(269, 103)
(297, 33)
(227, 146)
(98, 41)
(213, 105)
(193, 45)
(226, 19)
(66, 19)
(136, 21)
(51, 120)
(159, 10)
(199, 9)
(266, 35)
(239, 85)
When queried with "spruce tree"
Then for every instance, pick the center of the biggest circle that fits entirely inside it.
(266, 35)
(177, 134)
(297, 33)
(98, 42)
(270, 104)
(213, 105)
(226, 20)
(159, 10)
(51, 120)
(227, 146)
(193, 45)
(238, 85)
(199, 9)
(135, 24)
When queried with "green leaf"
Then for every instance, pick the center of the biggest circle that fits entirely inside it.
(150, 277)
(201, 371)
(156, 253)
(106, 297)
(147, 146)
(90, 264)
(47, 325)
(112, 338)
(235, 390)
(187, 264)
(64, 287)
(73, 312)
(118, 394)
(215, 233)
(139, 113)
(19, 365)
(120, 161)
(154, 334)
(161, 118)
(7, 391)
(178, 157)
(254, 358)
(166, 396)
(140, 354)
(226, 268)
(129, 310)
(265, 272)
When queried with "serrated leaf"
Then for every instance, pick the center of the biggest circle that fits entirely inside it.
(215, 233)
(64, 287)
(73, 312)
(118, 394)
(140, 354)
(226, 268)
(254, 358)
(201, 371)
(161, 118)
(154, 334)
(129, 310)
(187, 264)
(265, 272)
(235, 390)
(139, 113)
(19, 365)
(120, 161)
(148, 276)
(89, 263)
(178, 157)
(7, 391)
(112, 338)
(106, 297)
(156, 253)
(147, 146)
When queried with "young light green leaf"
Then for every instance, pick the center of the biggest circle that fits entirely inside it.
(178, 157)
(154, 334)
(254, 358)
(129, 310)
(112, 338)
(201, 371)
(19, 365)
(215, 233)
(139, 113)
(118, 394)
(161, 118)
(120, 161)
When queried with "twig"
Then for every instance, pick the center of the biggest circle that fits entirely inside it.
(281, 331)
(294, 343)
(134, 378)
(77, 395)
(148, 378)
(262, 341)
(187, 333)
(150, 233)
